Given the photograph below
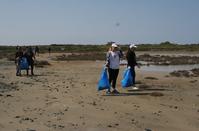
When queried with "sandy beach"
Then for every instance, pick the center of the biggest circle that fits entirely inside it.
(63, 97)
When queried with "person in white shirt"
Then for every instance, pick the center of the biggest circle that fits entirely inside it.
(113, 62)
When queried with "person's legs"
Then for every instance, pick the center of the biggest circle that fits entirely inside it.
(32, 66)
(115, 75)
(18, 72)
(27, 72)
(133, 74)
(110, 73)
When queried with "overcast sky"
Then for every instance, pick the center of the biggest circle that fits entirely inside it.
(98, 21)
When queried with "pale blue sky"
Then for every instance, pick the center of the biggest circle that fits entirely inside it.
(98, 21)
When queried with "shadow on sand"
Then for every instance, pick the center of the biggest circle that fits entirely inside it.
(148, 89)
(127, 94)
(35, 75)
(139, 92)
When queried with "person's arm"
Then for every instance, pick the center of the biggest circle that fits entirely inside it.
(33, 56)
(107, 63)
(127, 58)
(16, 57)
(121, 54)
(137, 64)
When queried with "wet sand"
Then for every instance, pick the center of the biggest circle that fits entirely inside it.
(64, 97)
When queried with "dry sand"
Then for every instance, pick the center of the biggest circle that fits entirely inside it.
(64, 97)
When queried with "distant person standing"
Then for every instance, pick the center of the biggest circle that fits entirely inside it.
(113, 62)
(18, 56)
(49, 50)
(132, 62)
(36, 50)
(29, 54)
(17, 47)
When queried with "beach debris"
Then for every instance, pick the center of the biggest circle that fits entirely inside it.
(30, 129)
(94, 103)
(133, 121)
(151, 78)
(180, 73)
(146, 129)
(116, 124)
(110, 126)
(144, 86)
(186, 73)
(54, 126)
(195, 72)
(6, 87)
(157, 94)
(2, 76)
(193, 81)
(168, 60)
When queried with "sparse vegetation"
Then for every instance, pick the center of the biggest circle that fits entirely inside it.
(97, 52)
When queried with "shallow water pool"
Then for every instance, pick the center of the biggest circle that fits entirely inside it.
(168, 68)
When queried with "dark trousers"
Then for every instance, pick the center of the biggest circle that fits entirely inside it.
(18, 68)
(133, 74)
(31, 64)
(113, 73)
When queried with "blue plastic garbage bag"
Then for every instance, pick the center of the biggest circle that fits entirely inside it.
(104, 81)
(124, 73)
(24, 63)
(127, 80)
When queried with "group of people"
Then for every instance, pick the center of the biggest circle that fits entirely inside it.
(113, 62)
(29, 54)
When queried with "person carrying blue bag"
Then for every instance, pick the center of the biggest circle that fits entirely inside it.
(29, 54)
(132, 62)
(112, 63)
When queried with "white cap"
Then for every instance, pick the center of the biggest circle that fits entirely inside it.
(132, 46)
(114, 45)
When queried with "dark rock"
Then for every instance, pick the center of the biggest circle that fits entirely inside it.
(116, 124)
(94, 103)
(148, 129)
(157, 94)
(180, 73)
(109, 126)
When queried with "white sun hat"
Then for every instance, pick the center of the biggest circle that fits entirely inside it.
(114, 45)
(132, 46)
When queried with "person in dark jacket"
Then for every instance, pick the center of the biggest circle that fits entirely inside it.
(29, 54)
(132, 62)
(18, 56)
(36, 50)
